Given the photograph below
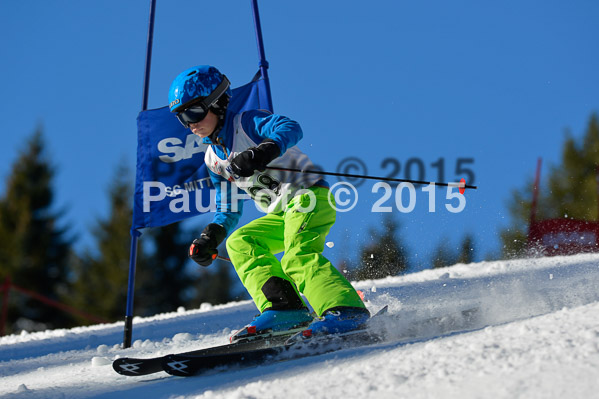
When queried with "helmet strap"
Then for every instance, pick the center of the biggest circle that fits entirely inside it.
(220, 110)
(219, 125)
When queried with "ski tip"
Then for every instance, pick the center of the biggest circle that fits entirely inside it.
(136, 367)
(462, 186)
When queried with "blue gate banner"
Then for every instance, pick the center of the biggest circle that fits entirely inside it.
(172, 182)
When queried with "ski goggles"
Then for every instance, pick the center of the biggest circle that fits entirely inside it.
(193, 114)
(197, 111)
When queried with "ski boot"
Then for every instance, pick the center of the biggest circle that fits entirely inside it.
(272, 323)
(339, 320)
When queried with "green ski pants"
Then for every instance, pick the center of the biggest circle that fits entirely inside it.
(301, 235)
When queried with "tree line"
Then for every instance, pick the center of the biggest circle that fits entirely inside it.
(570, 190)
(38, 250)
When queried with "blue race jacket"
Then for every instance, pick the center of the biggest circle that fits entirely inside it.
(245, 130)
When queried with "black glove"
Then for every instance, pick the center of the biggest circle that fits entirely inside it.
(255, 158)
(203, 250)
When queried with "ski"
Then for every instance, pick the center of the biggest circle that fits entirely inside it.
(142, 366)
(275, 347)
(297, 346)
(188, 365)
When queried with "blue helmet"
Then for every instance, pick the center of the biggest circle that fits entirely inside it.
(202, 82)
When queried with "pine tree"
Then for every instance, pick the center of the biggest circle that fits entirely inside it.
(102, 275)
(445, 256)
(571, 190)
(171, 283)
(384, 256)
(163, 281)
(573, 185)
(514, 238)
(466, 250)
(34, 247)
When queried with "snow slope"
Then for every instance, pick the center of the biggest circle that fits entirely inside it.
(535, 335)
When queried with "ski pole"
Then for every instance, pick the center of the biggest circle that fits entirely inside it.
(461, 185)
(217, 256)
(223, 258)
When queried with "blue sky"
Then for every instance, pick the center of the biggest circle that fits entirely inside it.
(496, 82)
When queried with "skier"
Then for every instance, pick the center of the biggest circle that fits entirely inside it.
(298, 210)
